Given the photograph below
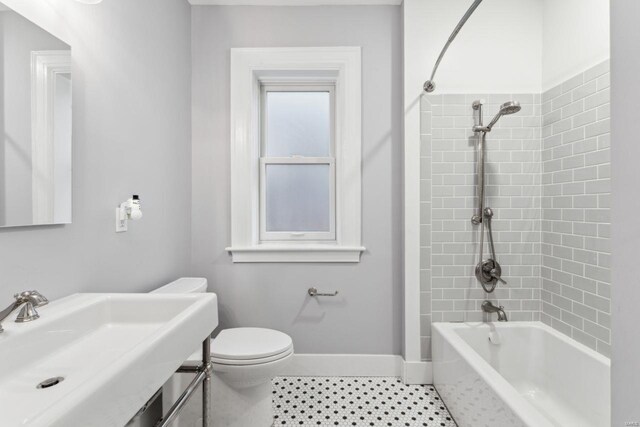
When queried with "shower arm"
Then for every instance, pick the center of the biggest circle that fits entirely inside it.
(429, 85)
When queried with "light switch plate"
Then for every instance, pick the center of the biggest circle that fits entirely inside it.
(121, 224)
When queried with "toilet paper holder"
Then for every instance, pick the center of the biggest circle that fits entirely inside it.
(313, 292)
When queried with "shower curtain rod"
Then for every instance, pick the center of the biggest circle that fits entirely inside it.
(430, 85)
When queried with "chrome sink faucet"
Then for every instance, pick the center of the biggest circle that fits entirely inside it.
(488, 307)
(28, 300)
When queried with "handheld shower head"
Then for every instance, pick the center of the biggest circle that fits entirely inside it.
(510, 107)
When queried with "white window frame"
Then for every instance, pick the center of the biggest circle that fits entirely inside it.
(297, 159)
(45, 67)
(251, 69)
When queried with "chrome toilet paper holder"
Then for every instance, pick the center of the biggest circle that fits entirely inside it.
(313, 292)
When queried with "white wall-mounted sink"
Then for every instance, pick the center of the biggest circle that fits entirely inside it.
(113, 351)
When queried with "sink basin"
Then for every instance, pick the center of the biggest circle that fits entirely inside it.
(113, 352)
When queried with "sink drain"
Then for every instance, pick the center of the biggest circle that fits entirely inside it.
(50, 382)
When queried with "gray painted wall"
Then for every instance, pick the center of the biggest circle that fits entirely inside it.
(131, 134)
(625, 152)
(366, 316)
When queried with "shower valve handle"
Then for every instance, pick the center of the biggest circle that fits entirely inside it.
(494, 274)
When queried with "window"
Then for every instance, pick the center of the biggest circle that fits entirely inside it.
(297, 163)
(295, 155)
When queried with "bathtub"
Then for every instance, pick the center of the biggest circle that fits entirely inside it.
(519, 374)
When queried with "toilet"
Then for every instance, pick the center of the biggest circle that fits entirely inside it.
(244, 361)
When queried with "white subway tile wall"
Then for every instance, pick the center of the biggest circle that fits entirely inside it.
(576, 282)
(547, 170)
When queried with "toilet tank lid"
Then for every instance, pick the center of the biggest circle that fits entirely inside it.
(184, 285)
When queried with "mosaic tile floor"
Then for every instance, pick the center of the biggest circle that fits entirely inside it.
(356, 401)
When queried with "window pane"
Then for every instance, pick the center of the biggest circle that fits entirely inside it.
(298, 197)
(298, 124)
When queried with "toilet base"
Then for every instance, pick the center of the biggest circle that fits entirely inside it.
(230, 407)
(241, 407)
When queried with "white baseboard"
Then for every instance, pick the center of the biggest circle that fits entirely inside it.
(417, 372)
(345, 365)
(359, 365)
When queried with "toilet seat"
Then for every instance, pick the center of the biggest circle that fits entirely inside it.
(250, 346)
(247, 362)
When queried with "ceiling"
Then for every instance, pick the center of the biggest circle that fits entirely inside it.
(295, 2)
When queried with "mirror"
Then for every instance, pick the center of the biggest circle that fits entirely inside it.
(35, 121)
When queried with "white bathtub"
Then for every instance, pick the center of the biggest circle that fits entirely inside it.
(533, 376)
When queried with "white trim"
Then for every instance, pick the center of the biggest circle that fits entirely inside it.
(360, 365)
(249, 68)
(412, 238)
(294, 2)
(293, 253)
(45, 67)
(412, 90)
(345, 365)
(417, 372)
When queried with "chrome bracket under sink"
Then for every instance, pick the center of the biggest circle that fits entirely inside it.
(203, 376)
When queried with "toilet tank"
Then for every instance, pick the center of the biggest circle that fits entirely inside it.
(184, 285)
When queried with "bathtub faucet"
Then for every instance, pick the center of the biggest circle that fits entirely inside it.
(488, 307)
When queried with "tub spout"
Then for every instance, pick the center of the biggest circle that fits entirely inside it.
(488, 307)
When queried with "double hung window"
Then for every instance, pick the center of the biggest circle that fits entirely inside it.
(297, 163)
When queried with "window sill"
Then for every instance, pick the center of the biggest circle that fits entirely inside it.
(296, 253)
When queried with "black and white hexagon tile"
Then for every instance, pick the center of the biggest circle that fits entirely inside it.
(356, 401)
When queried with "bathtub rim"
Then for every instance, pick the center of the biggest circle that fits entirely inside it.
(521, 408)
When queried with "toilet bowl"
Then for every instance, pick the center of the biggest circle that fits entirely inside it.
(244, 361)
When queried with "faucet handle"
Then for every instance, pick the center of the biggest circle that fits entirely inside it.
(27, 313)
(38, 299)
(494, 274)
(34, 297)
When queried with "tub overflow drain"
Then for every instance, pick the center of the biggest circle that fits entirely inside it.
(50, 382)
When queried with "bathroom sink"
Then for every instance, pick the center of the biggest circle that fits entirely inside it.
(98, 357)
